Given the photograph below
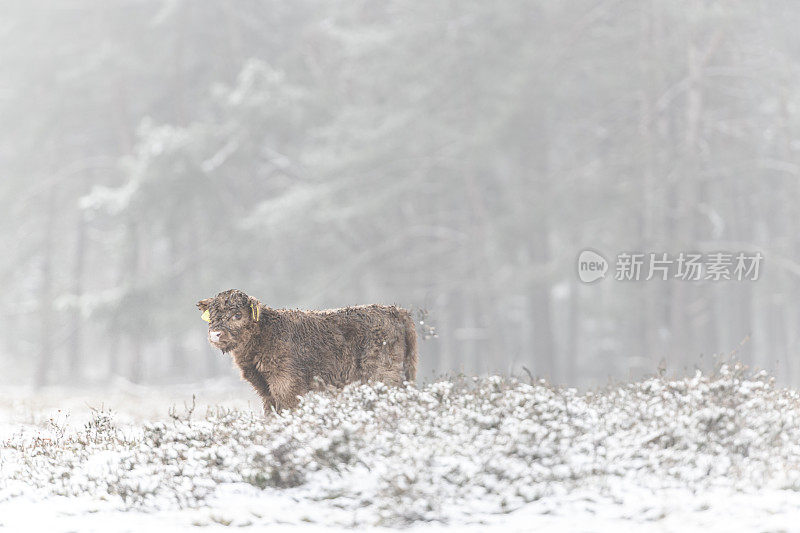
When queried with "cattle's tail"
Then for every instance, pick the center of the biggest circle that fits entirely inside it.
(411, 356)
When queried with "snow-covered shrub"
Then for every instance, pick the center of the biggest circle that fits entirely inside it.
(441, 452)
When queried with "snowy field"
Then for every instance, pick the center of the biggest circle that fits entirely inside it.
(712, 453)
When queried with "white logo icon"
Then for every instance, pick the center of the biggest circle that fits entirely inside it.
(591, 266)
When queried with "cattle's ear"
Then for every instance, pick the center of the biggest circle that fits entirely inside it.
(255, 309)
(203, 306)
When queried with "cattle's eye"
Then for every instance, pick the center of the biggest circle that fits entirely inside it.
(237, 316)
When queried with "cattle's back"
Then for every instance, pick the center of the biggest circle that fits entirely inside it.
(347, 344)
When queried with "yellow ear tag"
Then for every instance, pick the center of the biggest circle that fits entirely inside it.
(206, 316)
(255, 311)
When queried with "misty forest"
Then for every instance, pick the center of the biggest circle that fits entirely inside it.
(491, 167)
(451, 157)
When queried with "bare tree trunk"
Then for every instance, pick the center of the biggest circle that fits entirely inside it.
(541, 308)
(649, 349)
(683, 329)
(115, 334)
(46, 294)
(535, 168)
(683, 207)
(570, 355)
(180, 70)
(179, 367)
(135, 370)
(468, 346)
(77, 290)
(445, 327)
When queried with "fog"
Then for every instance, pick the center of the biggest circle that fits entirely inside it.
(453, 157)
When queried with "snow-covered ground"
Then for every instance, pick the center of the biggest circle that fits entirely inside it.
(712, 453)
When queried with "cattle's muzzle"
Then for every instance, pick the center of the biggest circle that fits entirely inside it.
(219, 338)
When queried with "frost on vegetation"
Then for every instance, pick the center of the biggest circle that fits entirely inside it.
(440, 452)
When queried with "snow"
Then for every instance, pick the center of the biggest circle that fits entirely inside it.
(710, 452)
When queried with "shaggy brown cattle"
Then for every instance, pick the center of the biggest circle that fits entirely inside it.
(285, 353)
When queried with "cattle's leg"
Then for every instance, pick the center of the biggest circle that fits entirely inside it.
(254, 377)
(285, 391)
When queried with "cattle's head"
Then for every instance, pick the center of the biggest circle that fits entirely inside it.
(232, 318)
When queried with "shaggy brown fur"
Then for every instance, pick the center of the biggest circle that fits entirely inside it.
(285, 353)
